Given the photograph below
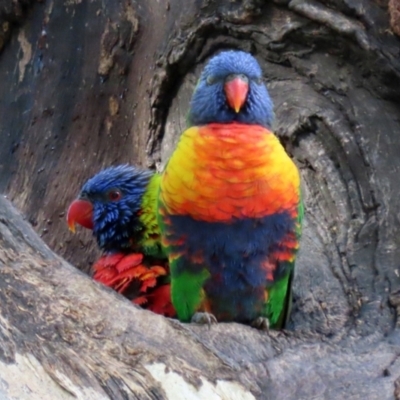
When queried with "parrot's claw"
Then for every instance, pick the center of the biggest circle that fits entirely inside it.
(204, 318)
(261, 323)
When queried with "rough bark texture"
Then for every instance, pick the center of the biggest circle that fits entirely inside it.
(87, 84)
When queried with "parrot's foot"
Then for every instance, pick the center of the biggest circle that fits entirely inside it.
(261, 323)
(204, 318)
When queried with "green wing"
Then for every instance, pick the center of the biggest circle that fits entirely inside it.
(279, 304)
(151, 235)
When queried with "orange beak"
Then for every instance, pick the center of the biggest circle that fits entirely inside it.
(236, 89)
(80, 212)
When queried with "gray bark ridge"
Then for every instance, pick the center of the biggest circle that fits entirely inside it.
(65, 336)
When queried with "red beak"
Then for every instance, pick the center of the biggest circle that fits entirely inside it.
(80, 212)
(236, 90)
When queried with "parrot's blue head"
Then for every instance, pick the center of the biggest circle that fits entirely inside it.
(231, 89)
(110, 204)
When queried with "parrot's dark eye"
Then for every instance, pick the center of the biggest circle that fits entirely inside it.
(210, 80)
(114, 195)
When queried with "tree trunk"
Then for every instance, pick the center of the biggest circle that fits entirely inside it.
(89, 84)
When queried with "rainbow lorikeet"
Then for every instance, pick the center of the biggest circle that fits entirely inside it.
(119, 205)
(230, 207)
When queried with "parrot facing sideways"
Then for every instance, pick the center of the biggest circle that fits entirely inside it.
(119, 205)
(230, 207)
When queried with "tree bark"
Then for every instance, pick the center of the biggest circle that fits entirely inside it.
(89, 84)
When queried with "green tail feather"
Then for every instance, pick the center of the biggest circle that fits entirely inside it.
(187, 292)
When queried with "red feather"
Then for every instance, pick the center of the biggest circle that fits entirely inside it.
(140, 301)
(127, 274)
(159, 301)
(109, 260)
(129, 261)
(104, 268)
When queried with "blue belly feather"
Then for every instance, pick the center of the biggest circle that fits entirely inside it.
(233, 253)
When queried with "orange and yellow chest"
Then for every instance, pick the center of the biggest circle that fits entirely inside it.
(224, 171)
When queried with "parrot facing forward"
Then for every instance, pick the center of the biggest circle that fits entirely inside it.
(230, 206)
(119, 205)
